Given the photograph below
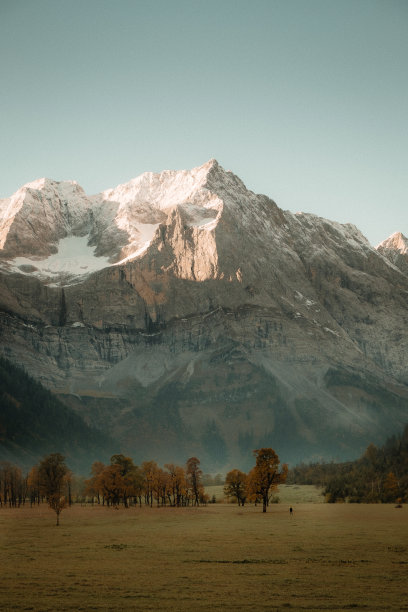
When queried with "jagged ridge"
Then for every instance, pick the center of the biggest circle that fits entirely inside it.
(196, 270)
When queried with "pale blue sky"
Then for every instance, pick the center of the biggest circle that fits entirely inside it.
(306, 100)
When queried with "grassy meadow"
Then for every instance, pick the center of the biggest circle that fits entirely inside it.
(325, 557)
(287, 494)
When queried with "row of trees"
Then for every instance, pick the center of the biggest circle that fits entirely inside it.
(13, 486)
(123, 482)
(50, 480)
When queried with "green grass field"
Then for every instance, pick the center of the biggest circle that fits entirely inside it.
(326, 557)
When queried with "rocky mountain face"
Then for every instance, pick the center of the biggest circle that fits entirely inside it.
(185, 314)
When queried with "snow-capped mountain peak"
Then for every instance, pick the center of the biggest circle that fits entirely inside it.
(161, 190)
(44, 218)
(53, 231)
(396, 242)
(395, 250)
(38, 215)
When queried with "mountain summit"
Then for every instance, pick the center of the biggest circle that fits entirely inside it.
(395, 249)
(184, 312)
(46, 219)
(397, 242)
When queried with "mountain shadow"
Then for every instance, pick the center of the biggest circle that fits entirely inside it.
(33, 422)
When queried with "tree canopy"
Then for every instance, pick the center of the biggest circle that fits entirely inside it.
(264, 478)
(52, 474)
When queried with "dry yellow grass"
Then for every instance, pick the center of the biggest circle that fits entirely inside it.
(287, 494)
(326, 557)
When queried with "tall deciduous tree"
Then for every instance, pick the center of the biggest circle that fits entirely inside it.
(12, 485)
(111, 484)
(149, 471)
(130, 475)
(235, 486)
(177, 483)
(33, 482)
(264, 478)
(391, 488)
(53, 472)
(194, 475)
(161, 483)
(93, 485)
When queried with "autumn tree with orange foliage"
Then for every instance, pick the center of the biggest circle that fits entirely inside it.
(93, 485)
(149, 471)
(235, 486)
(391, 488)
(33, 485)
(194, 475)
(53, 474)
(131, 477)
(160, 486)
(116, 482)
(264, 478)
(110, 482)
(177, 484)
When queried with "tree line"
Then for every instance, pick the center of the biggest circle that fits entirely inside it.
(34, 421)
(380, 475)
(121, 482)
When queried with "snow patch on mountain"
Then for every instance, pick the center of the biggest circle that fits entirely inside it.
(74, 259)
(55, 232)
(146, 201)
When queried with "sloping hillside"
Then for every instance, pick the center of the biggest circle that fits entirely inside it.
(33, 422)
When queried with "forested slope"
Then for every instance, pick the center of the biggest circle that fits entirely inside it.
(34, 422)
(379, 475)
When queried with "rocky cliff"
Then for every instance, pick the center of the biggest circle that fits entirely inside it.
(186, 314)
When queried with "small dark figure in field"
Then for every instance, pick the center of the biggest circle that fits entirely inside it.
(291, 511)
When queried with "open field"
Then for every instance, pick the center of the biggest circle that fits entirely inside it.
(326, 557)
(287, 494)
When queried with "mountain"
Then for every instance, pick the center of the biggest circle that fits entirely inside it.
(33, 423)
(395, 249)
(187, 315)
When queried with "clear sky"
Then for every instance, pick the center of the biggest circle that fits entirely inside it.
(306, 100)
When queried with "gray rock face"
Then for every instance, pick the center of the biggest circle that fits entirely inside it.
(207, 320)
